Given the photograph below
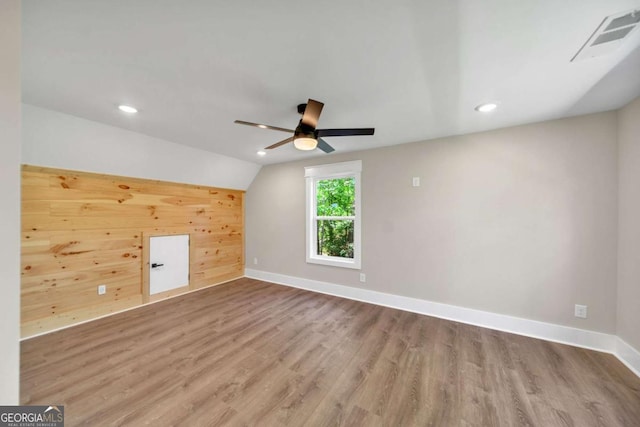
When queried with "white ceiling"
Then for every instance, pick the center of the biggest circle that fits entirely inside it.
(413, 69)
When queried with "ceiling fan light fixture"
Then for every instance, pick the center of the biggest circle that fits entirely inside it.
(305, 143)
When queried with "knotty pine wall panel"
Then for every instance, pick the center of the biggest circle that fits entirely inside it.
(81, 230)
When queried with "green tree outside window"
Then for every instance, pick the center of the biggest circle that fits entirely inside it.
(335, 201)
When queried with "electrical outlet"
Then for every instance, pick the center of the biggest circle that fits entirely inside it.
(255, 261)
(363, 277)
(102, 289)
(580, 311)
(416, 181)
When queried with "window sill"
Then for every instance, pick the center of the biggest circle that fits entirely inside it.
(334, 261)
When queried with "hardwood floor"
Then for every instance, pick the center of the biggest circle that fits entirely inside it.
(257, 354)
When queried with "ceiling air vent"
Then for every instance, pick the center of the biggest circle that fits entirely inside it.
(609, 35)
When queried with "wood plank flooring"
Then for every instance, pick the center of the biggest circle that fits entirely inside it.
(257, 354)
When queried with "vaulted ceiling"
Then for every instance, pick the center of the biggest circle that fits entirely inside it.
(413, 69)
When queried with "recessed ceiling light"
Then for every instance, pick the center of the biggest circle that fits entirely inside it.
(486, 108)
(127, 109)
(261, 153)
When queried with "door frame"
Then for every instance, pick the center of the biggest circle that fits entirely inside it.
(146, 249)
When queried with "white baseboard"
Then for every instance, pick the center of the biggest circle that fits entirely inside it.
(628, 355)
(532, 328)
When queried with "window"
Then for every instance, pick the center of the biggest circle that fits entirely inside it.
(333, 214)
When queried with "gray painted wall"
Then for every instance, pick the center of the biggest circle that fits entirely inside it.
(10, 197)
(629, 224)
(519, 221)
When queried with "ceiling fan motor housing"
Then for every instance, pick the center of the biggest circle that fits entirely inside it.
(304, 131)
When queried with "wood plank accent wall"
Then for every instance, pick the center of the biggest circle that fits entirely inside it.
(80, 230)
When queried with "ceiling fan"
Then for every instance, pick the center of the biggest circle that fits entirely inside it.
(306, 136)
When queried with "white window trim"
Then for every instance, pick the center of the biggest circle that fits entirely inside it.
(314, 174)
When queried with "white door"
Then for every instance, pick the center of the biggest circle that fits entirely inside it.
(168, 263)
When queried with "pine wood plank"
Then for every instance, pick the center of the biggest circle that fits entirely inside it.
(80, 230)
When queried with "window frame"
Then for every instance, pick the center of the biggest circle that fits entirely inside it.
(313, 174)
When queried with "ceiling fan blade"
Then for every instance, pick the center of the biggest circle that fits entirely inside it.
(345, 132)
(312, 113)
(261, 126)
(278, 144)
(322, 144)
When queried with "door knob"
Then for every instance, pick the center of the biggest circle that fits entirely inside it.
(154, 265)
